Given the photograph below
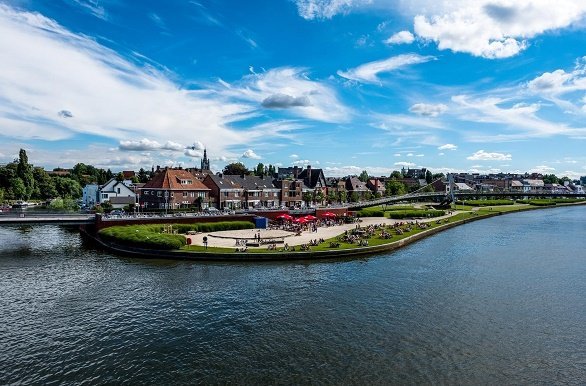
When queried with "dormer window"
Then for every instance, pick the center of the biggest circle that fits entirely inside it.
(186, 182)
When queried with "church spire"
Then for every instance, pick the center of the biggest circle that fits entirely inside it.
(205, 162)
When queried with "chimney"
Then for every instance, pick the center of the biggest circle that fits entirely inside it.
(295, 171)
(309, 173)
(158, 168)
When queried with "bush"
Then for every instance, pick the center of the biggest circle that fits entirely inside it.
(370, 212)
(143, 236)
(485, 202)
(401, 214)
(151, 236)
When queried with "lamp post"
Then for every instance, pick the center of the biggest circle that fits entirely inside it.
(166, 201)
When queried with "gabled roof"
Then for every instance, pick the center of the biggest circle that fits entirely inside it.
(251, 182)
(311, 176)
(171, 179)
(353, 183)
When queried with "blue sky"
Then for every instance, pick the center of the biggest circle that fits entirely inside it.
(345, 85)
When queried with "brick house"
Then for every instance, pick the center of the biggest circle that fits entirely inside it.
(354, 185)
(174, 189)
(376, 186)
(291, 192)
(225, 193)
(259, 192)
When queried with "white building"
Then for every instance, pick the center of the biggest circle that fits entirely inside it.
(121, 190)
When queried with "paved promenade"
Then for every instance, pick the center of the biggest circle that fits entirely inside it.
(227, 239)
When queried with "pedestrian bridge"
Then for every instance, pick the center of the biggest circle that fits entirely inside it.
(24, 218)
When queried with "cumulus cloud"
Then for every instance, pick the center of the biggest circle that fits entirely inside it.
(146, 144)
(402, 37)
(250, 154)
(428, 110)
(283, 101)
(191, 152)
(368, 72)
(197, 146)
(482, 155)
(319, 100)
(495, 29)
(294, 156)
(448, 146)
(65, 114)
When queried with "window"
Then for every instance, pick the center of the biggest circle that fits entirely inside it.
(191, 194)
(201, 194)
(118, 190)
(184, 194)
(146, 192)
(172, 195)
(225, 194)
(105, 195)
(159, 193)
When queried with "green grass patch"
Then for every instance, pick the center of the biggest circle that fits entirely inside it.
(485, 202)
(415, 213)
(152, 235)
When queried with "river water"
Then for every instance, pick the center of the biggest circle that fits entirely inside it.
(498, 301)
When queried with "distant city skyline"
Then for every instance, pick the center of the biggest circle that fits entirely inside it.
(486, 86)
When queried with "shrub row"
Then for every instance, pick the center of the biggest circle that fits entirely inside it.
(414, 213)
(151, 236)
(143, 236)
(485, 202)
(213, 226)
(371, 212)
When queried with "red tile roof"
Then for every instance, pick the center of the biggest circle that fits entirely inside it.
(171, 179)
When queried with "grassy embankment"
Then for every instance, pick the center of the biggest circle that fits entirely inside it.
(160, 236)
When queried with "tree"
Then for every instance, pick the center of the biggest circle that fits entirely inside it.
(396, 175)
(428, 177)
(272, 171)
(259, 171)
(436, 176)
(428, 189)
(235, 168)
(67, 187)
(363, 176)
(319, 196)
(307, 197)
(354, 197)
(18, 188)
(120, 177)
(45, 185)
(142, 175)
(331, 196)
(2, 193)
(24, 171)
(368, 195)
(550, 179)
(395, 188)
(343, 196)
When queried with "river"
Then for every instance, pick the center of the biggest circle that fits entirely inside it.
(497, 301)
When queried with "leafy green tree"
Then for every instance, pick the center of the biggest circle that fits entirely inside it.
(272, 171)
(343, 196)
(363, 176)
(142, 175)
(2, 194)
(235, 168)
(319, 196)
(396, 175)
(395, 188)
(550, 179)
(24, 171)
(259, 170)
(436, 176)
(45, 185)
(428, 189)
(307, 197)
(332, 196)
(67, 187)
(18, 189)
(120, 177)
(354, 197)
(428, 177)
(368, 195)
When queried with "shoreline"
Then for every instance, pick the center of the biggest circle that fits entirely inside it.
(252, 256)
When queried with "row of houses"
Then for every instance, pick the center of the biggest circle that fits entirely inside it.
(187, 188)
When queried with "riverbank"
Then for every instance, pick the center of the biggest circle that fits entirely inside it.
(257, 255)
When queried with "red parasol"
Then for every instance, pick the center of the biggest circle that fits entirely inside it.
(310, 218)
(329, 214)
(285, 216)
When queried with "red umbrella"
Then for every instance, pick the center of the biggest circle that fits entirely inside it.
(310, 218)
(329, 214)
(285, 216)
(301, 220)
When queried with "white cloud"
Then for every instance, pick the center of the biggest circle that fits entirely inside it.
(448, 146)
(250, 154)
(482, 155)
(402, 37)
(290, 87)
(304, 162)
(193, 153)
(495, 29)
(325, 9)
(407, 164)
(544, 169)
(520, 118)
(293, 156)
(197, 146)
(428, 110)
(146, 144)
(368, 72)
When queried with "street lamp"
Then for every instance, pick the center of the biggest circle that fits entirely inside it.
(166, 201)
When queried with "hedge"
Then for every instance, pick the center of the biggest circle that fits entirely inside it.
(151, 236)
(370, 212)
(485, 202)
(401, 214)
